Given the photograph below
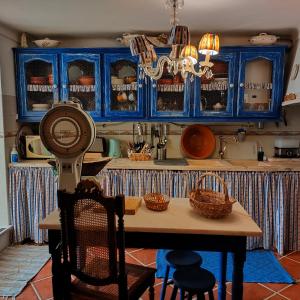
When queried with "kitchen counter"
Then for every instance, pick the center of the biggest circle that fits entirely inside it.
(209, 165)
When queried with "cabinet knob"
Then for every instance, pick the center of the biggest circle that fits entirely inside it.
(64, 86)
(241, 84)
(55, 86)
(231, 85)
(140, 85)
(154, 85)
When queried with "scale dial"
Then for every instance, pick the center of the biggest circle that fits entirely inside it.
(67, 131)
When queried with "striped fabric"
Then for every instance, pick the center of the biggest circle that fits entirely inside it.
(271, 198)
(32, 196)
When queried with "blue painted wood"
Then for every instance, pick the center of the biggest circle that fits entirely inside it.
(229, 58)
(110, 59)
(276, 58)
(25, 112)
(68, 58)
(147, 110)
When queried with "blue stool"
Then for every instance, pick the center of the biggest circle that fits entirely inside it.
(196, 281)
(179, 260)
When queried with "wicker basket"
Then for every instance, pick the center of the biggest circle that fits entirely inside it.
(156, 201)
(211, 204)
(139, 156)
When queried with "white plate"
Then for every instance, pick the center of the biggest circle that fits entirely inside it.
(74, 73)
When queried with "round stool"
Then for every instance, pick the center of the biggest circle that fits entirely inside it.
(196, 281)
(179, 259)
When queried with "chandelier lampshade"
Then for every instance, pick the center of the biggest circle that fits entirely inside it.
(179, 35)
(190, 51)
(209, 44)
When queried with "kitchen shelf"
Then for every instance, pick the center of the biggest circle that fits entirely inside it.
(170, 87)
(82, 88)
(124, 87)
(41, 88)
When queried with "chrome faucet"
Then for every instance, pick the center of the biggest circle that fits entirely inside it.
(223, 144)
(222, 147)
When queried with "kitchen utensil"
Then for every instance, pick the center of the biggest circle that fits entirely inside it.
(87, 80)
(47, 43)
(114, 149)
(131, 97)
(198, 141)
(264, 39)
(38, 80)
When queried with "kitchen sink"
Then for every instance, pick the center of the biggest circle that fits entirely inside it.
(171, 162)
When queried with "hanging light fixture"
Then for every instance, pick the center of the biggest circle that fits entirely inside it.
(183, 57)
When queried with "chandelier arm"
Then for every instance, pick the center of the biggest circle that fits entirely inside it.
(156, 72)
(190, 68)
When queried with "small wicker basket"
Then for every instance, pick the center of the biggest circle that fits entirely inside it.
(211, 204)
(156, 201)
(139, 156)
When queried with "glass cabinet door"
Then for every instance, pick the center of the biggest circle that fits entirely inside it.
(81, 79)
(38, 80)
(124, 89)
(170, 95)
(259, 84)
(215, 96)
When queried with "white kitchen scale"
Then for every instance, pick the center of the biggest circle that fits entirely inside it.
(67, 131)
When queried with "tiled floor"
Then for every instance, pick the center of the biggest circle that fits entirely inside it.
(40, 286)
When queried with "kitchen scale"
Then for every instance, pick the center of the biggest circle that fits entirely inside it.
(67, 131)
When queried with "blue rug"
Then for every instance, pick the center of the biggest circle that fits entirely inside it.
(260, 266)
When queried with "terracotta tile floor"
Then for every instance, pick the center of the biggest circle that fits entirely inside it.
(40, 286)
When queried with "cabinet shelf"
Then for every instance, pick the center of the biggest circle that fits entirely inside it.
(258, 85)
(82, 88)
(41, 88)
(170, 87)
(124, 87)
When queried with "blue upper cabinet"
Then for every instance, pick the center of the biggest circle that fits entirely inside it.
(37, 82)
(124, 89)
(215, 97)
(170, 96)
(260, 84)
(80, 78)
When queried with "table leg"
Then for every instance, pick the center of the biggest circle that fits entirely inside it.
(54, 237)
(222, 283)
(237, 273)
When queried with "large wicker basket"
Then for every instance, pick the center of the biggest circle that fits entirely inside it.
(139, 156)
(211, 204)
(156, 201)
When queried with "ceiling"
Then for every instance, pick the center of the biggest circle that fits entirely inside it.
(78, 18)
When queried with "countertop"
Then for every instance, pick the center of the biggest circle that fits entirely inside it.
(204, 164)
(209, 165)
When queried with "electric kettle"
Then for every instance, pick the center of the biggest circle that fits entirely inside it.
(114, 149)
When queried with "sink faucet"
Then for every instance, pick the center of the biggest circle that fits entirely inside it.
(222, 146)
(223, 143)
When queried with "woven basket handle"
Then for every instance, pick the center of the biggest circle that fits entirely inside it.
(199, 184)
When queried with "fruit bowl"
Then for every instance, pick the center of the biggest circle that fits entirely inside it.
(46, 43)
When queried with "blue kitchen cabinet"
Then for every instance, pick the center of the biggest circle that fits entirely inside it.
(170, 96)
(215, 97)
(81, 78)
(260, 82)
(124, 90)
(37, 82)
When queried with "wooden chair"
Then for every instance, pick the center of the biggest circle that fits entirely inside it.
(94, 248)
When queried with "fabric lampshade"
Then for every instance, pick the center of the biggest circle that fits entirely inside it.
(179, 35)
(191, 52)
(209, 44)
(139, 45)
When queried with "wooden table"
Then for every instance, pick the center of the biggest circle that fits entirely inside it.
(179, 227)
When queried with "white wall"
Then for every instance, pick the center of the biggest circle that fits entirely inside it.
(8, 125)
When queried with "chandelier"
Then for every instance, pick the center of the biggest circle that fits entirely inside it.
(183, 57)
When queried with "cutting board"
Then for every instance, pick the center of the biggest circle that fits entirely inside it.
(132, 204)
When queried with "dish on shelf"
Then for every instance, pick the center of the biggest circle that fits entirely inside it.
(50, 79)
(46, 43)
(126, 71)
(87, 80)
(129, 79)
(197, 141)
(263, 39)
(74, 73)
(38, 80)
(40, 106)
(116, 80)
(165, 81)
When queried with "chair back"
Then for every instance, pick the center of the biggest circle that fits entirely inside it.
(93, 244)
